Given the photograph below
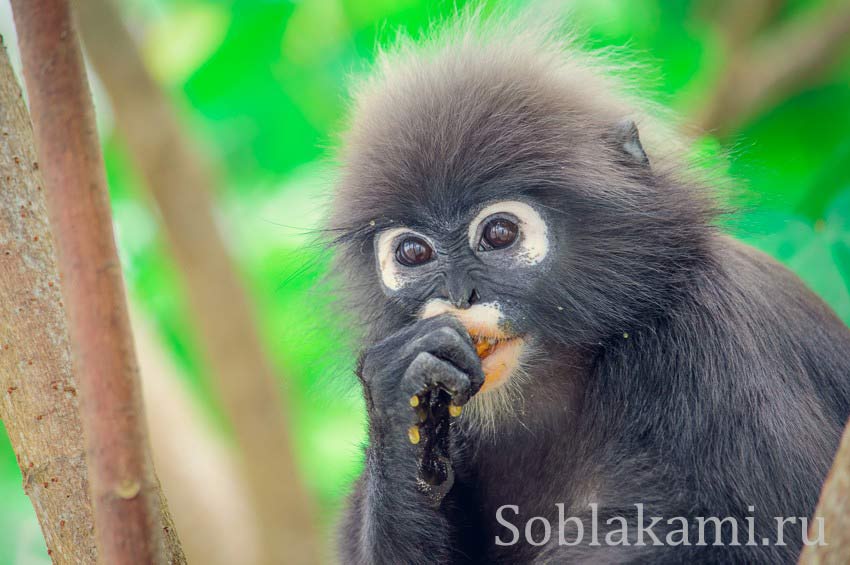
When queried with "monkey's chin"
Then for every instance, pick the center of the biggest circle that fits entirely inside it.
(499, 359)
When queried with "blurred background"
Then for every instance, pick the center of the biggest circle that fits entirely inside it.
(258, 89)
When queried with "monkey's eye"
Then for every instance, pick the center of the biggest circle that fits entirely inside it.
(413, 251)
(497, 234)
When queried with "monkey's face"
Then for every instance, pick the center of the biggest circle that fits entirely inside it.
(477, 268)
(516, 197)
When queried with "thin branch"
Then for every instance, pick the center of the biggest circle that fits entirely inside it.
(38, 394)
(182, 184)
(199, 473)
(739, 22)
(128, 508)
(797, 54)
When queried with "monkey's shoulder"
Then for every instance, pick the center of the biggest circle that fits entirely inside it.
(762, 288)
(750, 323)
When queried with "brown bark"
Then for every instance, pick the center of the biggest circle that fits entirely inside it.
(834, 508)
(182, 185)
(129, 516)
(772, 67)
(38, 395)
(739, 22)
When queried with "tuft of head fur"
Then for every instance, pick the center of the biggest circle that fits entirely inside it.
(489, 108)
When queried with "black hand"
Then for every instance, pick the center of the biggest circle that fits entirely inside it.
(416, 380)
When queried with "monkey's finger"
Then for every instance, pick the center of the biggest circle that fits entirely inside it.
(447, 344)
(428, 372)
(452, 322)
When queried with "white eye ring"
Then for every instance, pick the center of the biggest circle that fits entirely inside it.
(385, 247)
(534, 235)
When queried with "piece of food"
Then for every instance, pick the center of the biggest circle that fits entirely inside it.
(413, 434)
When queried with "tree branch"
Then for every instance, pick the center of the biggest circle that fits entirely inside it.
(129, 513)
(182, 185)
(199, 474)
(761, 74)
(38, 394)
(834, 508)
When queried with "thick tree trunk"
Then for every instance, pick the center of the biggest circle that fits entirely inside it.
(38, 395)
(131, 523)
(182, 185)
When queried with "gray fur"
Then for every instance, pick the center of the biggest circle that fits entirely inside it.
(672, 366)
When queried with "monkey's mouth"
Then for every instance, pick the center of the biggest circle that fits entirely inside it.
(498, 350)
(484, 345)
(499, 356)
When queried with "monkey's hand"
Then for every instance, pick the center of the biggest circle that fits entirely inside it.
(416, 381)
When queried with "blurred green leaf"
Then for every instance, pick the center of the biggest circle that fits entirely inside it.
(783, 152)
(177, 45)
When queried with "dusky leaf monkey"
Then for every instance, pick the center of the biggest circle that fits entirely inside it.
(551, 315)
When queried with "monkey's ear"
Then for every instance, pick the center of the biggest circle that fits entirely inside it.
(626, 139)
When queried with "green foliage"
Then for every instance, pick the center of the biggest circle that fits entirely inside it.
(262, 84)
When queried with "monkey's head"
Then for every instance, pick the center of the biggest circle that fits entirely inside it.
(496, 175)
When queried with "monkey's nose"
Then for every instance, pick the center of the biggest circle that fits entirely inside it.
(467, 300)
